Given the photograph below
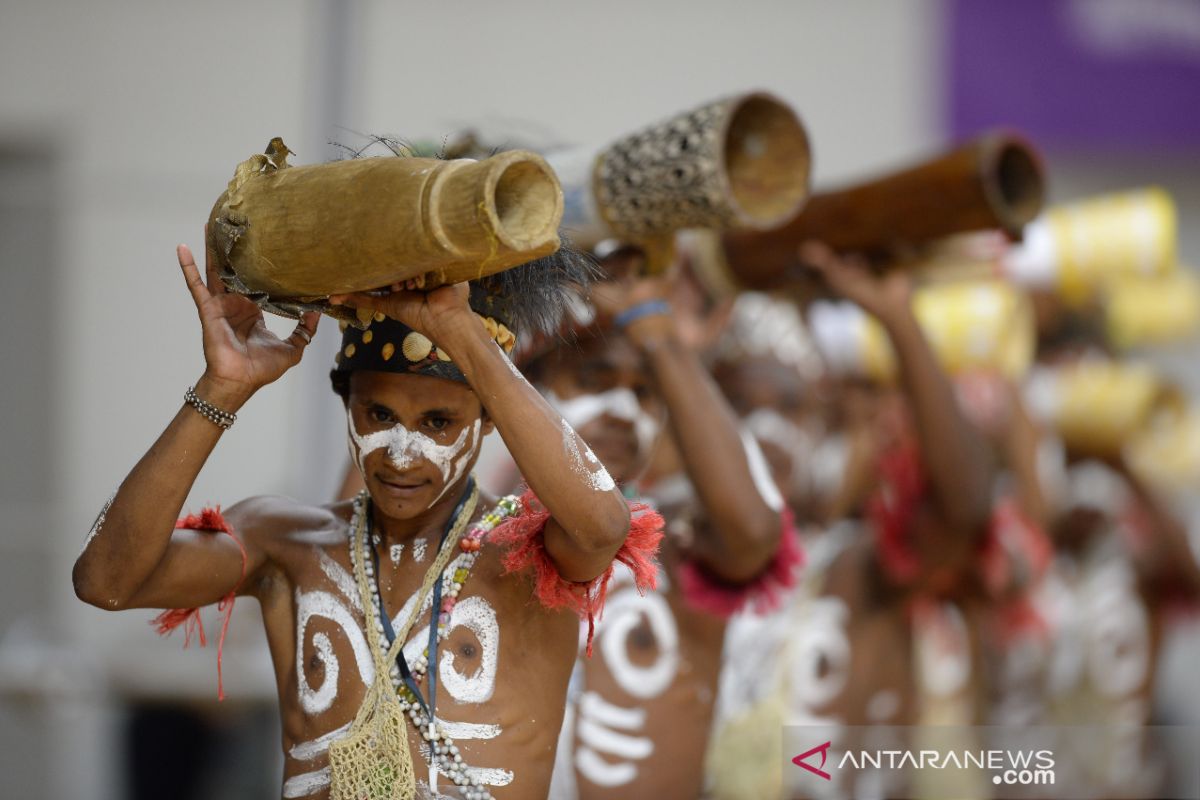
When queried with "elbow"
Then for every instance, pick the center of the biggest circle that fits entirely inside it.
(970, 514)
(93, 589)
(751, 547)
(608, 528)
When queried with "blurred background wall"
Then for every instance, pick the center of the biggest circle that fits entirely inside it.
(120, 124)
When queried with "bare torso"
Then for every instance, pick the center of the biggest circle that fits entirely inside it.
(641, 718)
(503, 668)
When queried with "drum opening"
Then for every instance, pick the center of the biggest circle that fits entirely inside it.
(526, 199)
(767, 162)
(1019, 181)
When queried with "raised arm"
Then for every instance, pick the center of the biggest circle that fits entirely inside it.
(953, 453)
(589, 518)
(1165, 557)
(742, 522)
(135, 558)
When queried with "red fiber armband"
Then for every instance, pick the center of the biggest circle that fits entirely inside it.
(210, 520)
(521, 537)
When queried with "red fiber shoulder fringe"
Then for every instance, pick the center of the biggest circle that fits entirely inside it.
(210, 520)
(892, 509)
(1016, 555)
(525, 548)
(762, 595)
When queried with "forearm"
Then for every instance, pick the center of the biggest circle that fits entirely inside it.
(137, 527)
(953, 452)
(556, 463)
(1022, 454)
(1170, 559)
(742, 507)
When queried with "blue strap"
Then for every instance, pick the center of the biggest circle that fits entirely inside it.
(390, 633)
(650, 308)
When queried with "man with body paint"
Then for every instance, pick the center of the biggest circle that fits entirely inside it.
(423, 382)
(876, 634)
(640, 710)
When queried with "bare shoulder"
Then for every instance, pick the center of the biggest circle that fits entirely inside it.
(274, 521)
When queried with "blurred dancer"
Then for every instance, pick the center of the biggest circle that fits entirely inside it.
(881, 630)
(641, 708)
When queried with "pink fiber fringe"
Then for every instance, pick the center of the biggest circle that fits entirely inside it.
(761, 595)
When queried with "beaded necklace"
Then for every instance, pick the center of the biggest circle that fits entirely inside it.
(407, 677)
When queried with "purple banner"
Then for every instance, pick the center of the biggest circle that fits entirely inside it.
(1114, 74)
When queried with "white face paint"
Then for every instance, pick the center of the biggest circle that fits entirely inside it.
(584, 461)
(407, 448)
(620, 403)
(323, 604)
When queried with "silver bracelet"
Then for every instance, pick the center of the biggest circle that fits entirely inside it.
(216, 416)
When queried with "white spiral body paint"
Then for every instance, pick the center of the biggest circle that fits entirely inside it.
(623, 614)
(406, 448)
(822, 655)
(323, 604)
(584, 461)
(341, 578)
(610, 740)
(306, 784)
(476, 615)
(619, 403)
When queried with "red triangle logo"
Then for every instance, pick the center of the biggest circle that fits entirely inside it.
(823, 749)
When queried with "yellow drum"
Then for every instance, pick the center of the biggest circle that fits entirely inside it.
(1151, 312)
(1167, 453)
(1080, 247)
(1098, 406)
(975, 325)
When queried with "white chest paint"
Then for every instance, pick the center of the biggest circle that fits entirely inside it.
(475, 614)
(610, 736)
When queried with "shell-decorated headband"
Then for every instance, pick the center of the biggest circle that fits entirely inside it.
(386, 345)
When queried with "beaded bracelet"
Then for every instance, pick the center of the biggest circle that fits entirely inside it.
(216, 416)
(650, 308)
